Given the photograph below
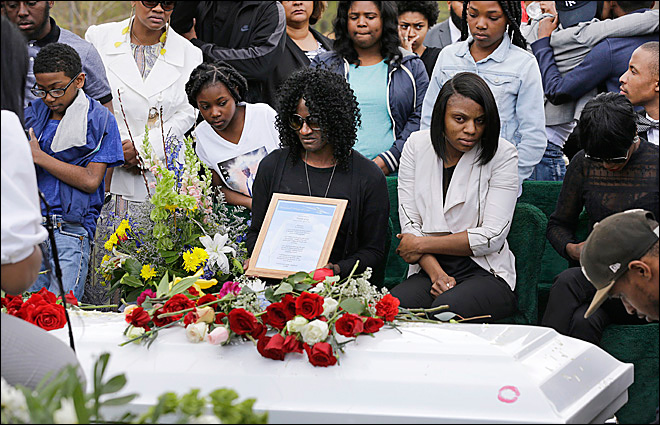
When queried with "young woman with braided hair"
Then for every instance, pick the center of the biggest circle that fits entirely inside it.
(234, 136)
(494, 49)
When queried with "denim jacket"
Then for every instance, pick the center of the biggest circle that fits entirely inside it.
(515, 80)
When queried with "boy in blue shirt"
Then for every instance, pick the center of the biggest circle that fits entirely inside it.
(74, 139)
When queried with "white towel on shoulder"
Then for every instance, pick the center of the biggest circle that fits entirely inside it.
(72, 131)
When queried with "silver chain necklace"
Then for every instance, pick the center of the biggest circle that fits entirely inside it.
(309, 188)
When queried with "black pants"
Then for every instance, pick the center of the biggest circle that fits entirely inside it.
(569, 299)
(477, 292)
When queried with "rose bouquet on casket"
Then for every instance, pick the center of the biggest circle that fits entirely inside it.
(315, 313)
(179, 231)
(43, 309)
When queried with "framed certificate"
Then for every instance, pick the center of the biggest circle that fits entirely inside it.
(297, 234)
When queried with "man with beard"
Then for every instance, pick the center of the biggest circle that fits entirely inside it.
(34, 21)
(447, 31)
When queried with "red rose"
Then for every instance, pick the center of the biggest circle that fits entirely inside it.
(309, 305)
(36, 299)
(70, 298)
(372, 325)
(274, 348)
(26, 312)
(190, 317)
(49, 316)
(242, 321)
(139, 318)
(320, 274)
(289, 303)
(276, 315)
(219, 317)
(320, 354)
(165, 320)
(193, 291)
(48, 296)
(9, 299)
(292, 345)
(349, 325)
(16, 303)
(388, 308)
(207, 299)
(259, 331)
(177, 303)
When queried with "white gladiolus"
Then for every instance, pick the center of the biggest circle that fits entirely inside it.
(315, 331)
(296, 324)
(196, 332)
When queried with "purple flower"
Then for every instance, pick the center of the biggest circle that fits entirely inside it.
(143, 296)
(228, 287)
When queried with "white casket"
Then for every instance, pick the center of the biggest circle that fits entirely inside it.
(427, 373)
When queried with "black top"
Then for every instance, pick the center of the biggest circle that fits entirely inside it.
(363, 230)
(429, 57)
(447, 173)
(603, 193)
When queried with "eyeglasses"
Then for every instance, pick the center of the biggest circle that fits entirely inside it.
(166, 5)
(296, 122)
(40, 93)
(617, 160)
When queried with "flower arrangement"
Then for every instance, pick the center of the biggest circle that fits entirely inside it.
(64, 400)
(42, 308)
(178, 232)
(315, 313)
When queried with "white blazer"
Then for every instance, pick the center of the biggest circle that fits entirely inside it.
(480, 199)
(164, 87)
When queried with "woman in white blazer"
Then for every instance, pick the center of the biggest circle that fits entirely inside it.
(458, 185)
(148, 65)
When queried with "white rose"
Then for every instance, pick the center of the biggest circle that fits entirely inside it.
(329, 306)
(315, 331)
(196, 332)
(134, 332)
(66, 414)
(296, 324)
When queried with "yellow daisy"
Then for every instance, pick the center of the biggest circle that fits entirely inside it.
(148, 272)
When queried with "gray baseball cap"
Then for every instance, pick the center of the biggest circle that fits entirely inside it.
(614, 242)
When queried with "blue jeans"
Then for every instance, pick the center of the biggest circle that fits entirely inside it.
(73, 252)
(552, 166)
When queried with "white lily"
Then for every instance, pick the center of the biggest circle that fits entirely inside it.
(217, 250)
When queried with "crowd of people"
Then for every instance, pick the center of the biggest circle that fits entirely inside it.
(462, 112)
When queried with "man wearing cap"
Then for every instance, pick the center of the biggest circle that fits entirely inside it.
(620, 259)
(602, 66)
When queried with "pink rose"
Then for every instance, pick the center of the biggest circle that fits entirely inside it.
(218, 335)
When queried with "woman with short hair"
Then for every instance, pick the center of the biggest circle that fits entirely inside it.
(458, 185)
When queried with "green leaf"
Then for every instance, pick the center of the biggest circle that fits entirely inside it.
(269, 294)
(163, 286)
(79, 404)
(118, 401)
(284, 288)
(131, 281)
(115, 384)
(352, 305)
(298, 277)
(445, 316)
(182, 285)
(133, 267)
(302, 287)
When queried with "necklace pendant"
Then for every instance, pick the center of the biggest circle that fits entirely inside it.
(153, 116)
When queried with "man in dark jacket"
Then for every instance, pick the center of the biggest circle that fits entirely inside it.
(248, 35)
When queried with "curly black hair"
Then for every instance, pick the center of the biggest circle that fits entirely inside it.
(427, 8)
(513, 12)
(389, 41)
(207, 74)
(58, 57)
(328, 96)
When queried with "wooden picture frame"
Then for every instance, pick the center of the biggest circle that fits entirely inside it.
(297, 234)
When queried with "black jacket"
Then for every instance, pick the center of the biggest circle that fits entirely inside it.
(290, 61)
(248, 35)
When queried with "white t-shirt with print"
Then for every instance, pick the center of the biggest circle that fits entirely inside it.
(237, 164)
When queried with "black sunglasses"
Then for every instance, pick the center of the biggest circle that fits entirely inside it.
(296, 122)
(41, 93)
(166, 5)
(617, 160)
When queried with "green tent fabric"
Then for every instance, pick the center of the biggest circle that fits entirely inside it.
(395, 267)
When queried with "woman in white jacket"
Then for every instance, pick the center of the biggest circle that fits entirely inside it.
(458, 185)
(148, 65)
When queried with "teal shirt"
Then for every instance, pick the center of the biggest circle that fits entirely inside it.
(369, 83)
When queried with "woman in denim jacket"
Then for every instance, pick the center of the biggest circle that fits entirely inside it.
(389, 82)
(510, 71)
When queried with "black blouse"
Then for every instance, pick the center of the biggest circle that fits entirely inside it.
(589, 185)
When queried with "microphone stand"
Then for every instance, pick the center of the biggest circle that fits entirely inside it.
(58, 271)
